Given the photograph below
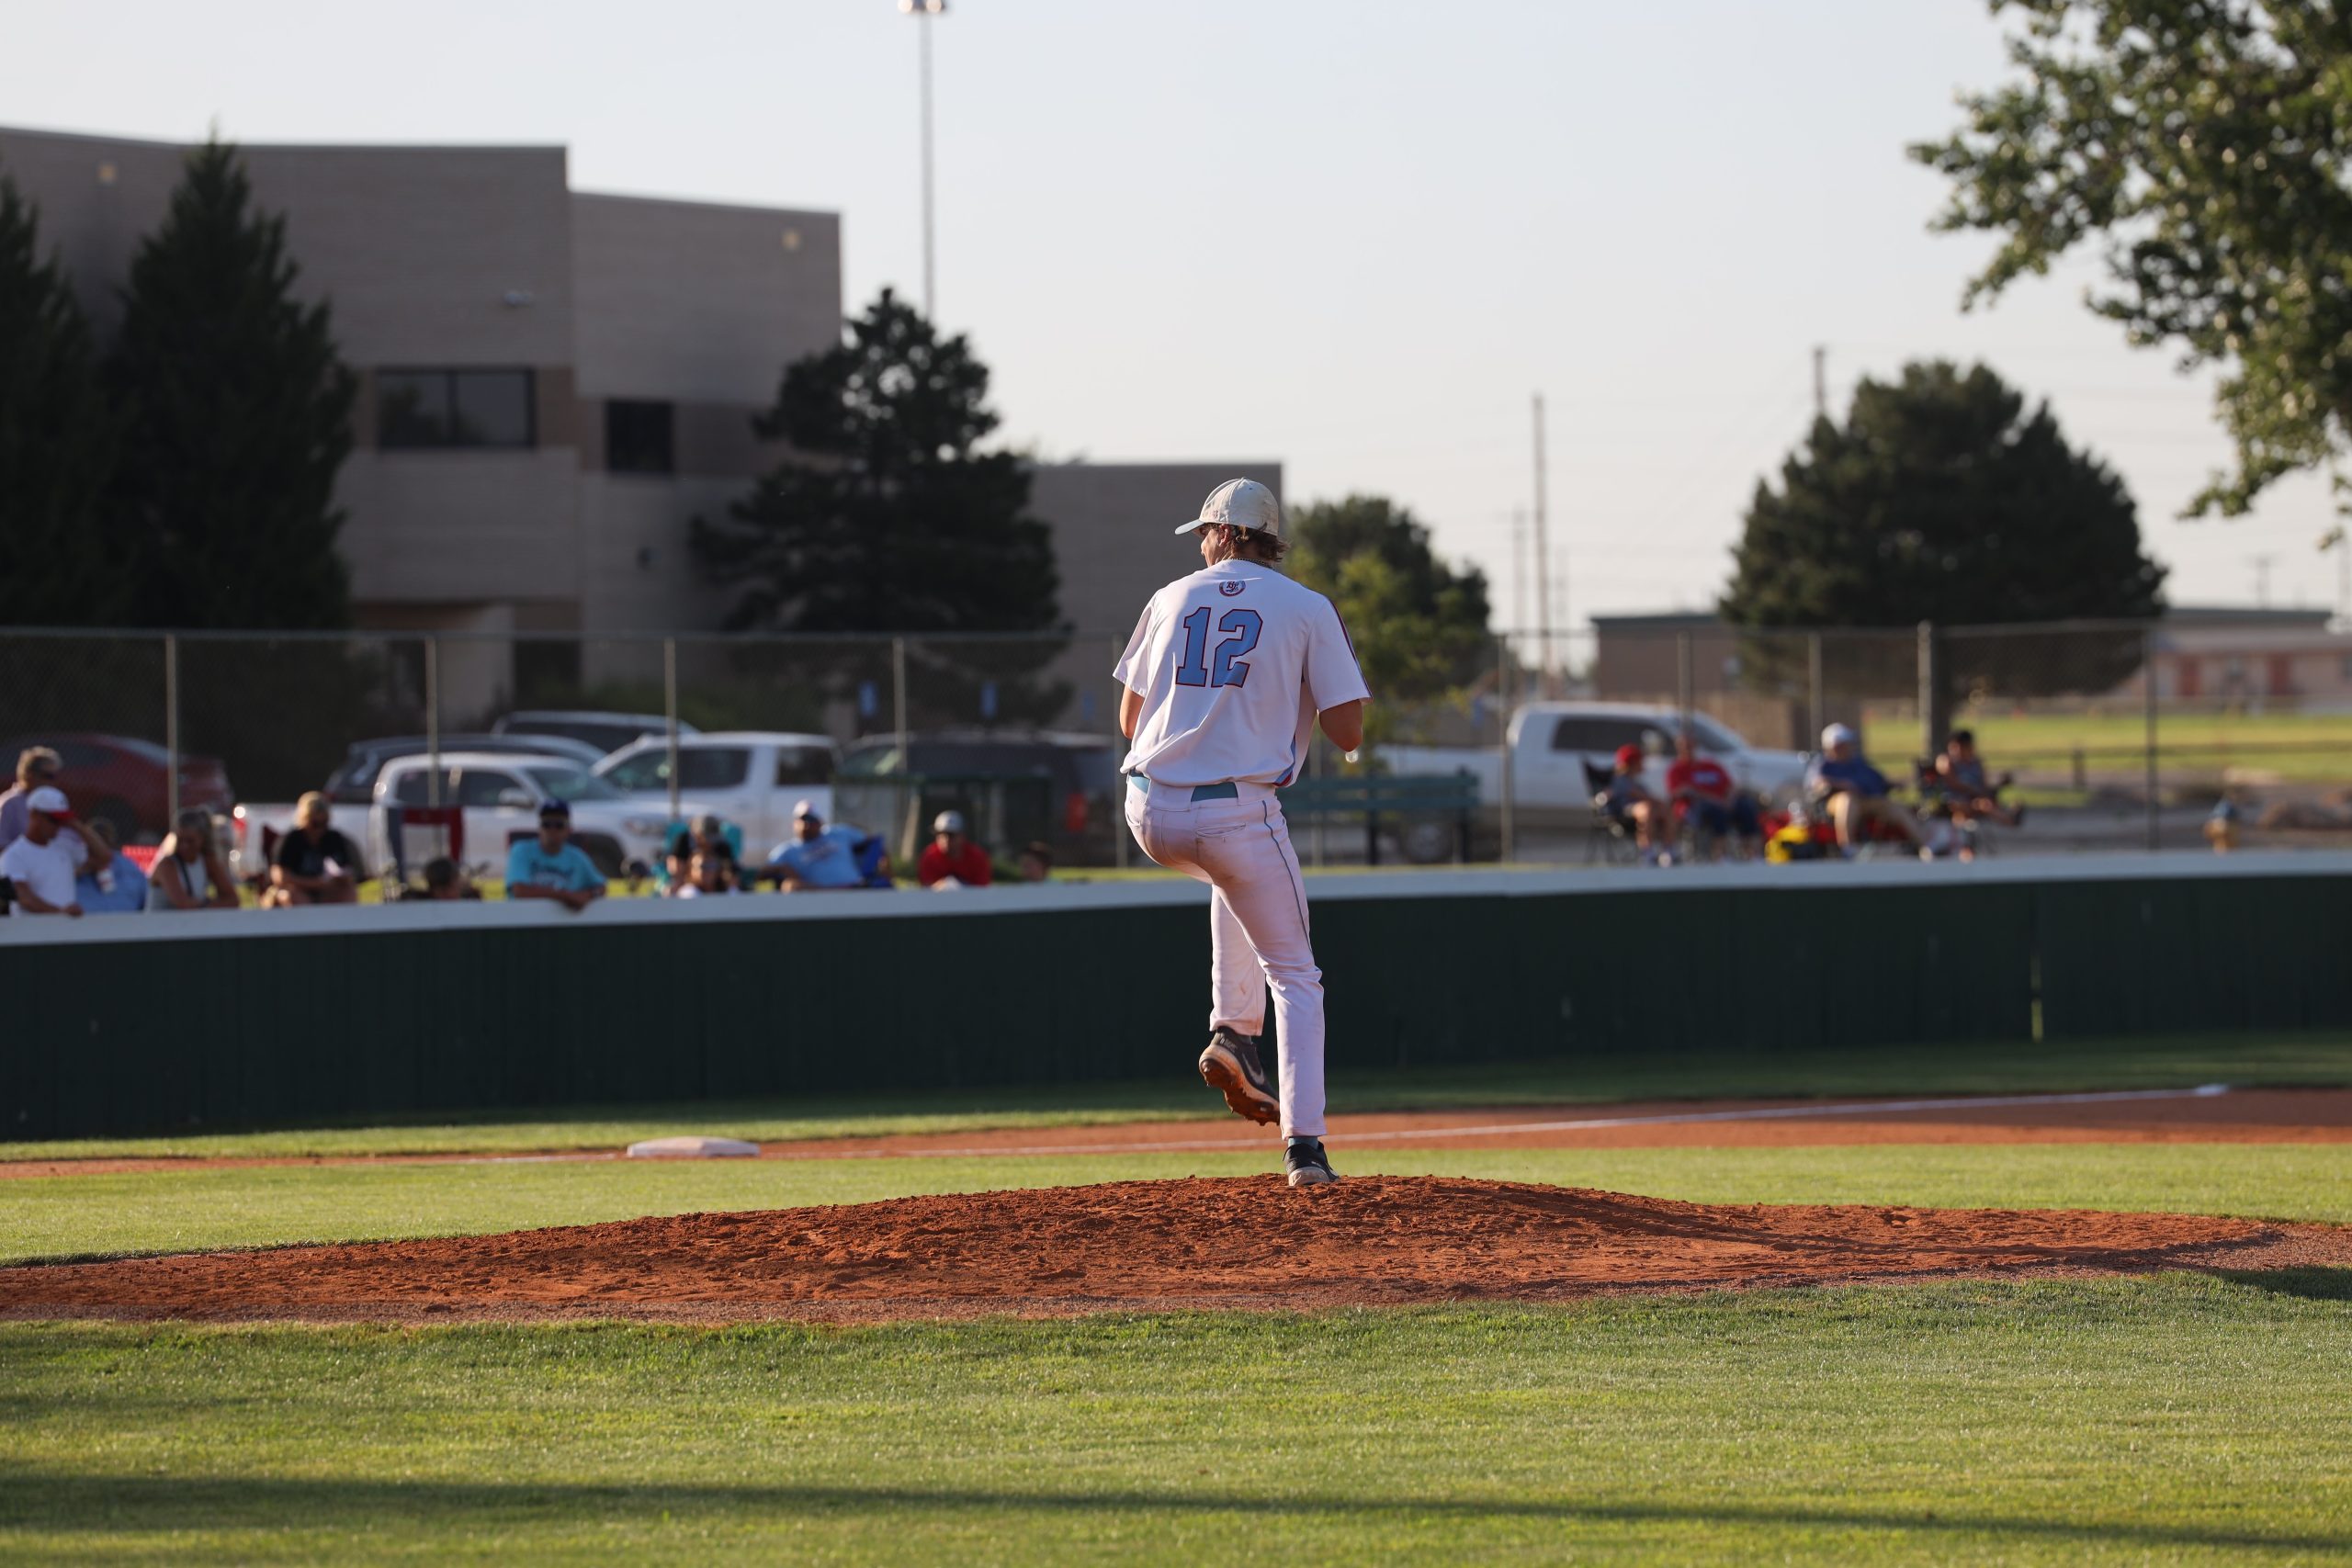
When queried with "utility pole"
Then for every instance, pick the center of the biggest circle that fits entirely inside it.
(1821, 380)
(1519, 571)
(924, 11)
(2336, 539)
(2261, 579)
(1543, 565)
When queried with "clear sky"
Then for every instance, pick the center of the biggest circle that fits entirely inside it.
(1353, 237)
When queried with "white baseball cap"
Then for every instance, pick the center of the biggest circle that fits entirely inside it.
(1838, 735)
(50, 801)
(948, 822)
(1243, 503)
(801, 808)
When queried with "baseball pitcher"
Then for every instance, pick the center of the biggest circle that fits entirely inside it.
(1226, 678)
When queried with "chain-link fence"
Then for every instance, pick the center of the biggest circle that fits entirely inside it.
(2121, 736)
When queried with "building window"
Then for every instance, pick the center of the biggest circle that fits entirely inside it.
(641, 437)
(455, 408)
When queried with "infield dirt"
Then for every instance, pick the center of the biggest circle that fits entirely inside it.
(1197, 1243)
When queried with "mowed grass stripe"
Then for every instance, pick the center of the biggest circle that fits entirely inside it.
(2319, 1057)
(203, 1209)
(2176, 1418)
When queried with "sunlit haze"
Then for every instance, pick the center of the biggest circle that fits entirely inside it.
(1354, 238)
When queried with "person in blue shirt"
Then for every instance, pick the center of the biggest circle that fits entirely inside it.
(551, 865)
(1857, 795)
(817, 856)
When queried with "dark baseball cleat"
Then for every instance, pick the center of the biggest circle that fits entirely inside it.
(1308, 1164)
(1230, 1066)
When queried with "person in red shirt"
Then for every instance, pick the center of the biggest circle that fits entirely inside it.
(1702, 791)
(951, 860)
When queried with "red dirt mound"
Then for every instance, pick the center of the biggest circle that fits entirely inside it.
(1247, 1242)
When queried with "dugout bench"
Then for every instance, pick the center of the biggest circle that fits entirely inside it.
(1416, 799)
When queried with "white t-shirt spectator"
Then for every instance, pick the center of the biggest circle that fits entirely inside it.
(47, 868)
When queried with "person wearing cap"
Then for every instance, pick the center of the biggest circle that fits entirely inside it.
(1855, 794)
(41, 865)
(1630, 804)
(817, 857)
(316, 864)
(35, 766)
(551, 865)
(189, 871)
(1229, 672)
(950, 859)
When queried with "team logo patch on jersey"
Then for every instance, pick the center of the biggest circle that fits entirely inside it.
(1230, 588)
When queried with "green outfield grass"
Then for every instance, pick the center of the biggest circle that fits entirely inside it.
(2173, 1419)
(256, 1206)
(2311, 748)
(2182, 1061)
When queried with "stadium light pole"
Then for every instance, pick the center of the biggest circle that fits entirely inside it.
(922, 11)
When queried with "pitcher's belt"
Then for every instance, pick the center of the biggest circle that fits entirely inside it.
(1226, 791)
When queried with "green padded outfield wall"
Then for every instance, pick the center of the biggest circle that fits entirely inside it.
(157, 1023)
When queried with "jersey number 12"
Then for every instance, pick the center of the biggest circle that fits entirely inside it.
(1193, 666)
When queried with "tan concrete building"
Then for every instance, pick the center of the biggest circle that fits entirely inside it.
(553, 383)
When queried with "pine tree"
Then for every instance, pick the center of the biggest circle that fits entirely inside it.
(885, 515)
(57, 441)
(239, 416)
(1942, 499)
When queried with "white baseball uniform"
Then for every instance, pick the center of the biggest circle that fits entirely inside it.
(1234, 663)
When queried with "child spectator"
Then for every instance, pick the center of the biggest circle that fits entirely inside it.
(1036, 861)
(1628, 803)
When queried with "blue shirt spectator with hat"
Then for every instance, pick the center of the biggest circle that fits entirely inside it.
(817, 856)
(551, 865)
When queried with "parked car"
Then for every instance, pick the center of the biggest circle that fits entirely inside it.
(1551, 743)
(751, 777)
(1012, 786)
(608, 732)
(125, 782)
(354, 781)
(501, 795)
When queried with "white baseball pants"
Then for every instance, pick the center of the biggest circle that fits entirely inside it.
(1258, 932)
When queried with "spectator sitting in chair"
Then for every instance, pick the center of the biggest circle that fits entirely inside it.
(1703, 792)
(43, 864)
(1960, 775)
(818, 857)
(315, 864)
(190, 870)
(1628, 803)
(952, 859)
(551, 865)
(1855, 793)
(1037, 861)
(36, 766)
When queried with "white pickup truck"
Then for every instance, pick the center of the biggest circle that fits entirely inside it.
(1552, 742)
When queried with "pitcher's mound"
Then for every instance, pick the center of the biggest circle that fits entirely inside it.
(1249, 1242)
